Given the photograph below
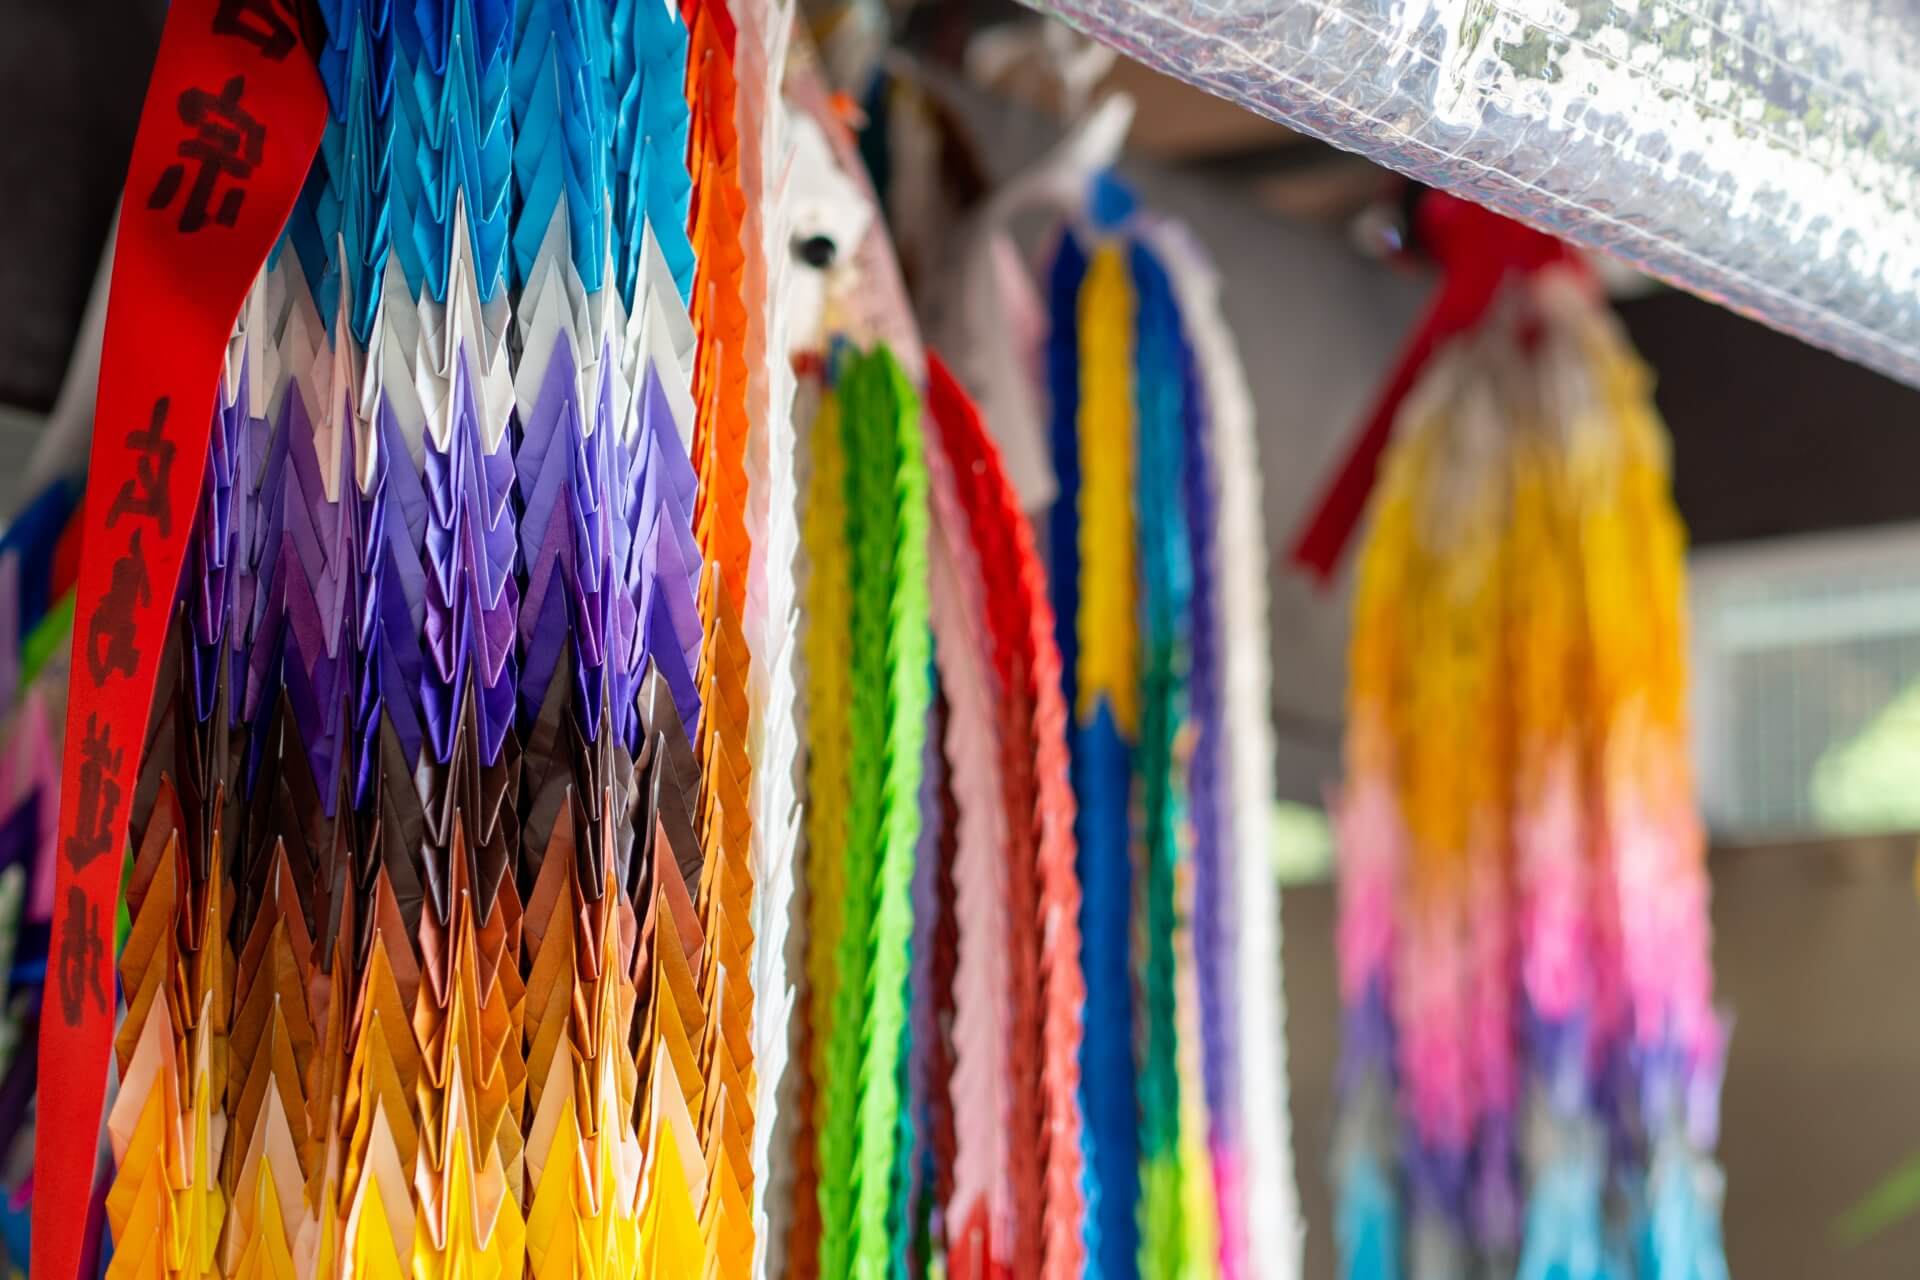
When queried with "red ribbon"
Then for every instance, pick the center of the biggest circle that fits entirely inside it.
(1477, 250)
(232, 118)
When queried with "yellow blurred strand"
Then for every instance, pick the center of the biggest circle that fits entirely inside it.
(1108, 621)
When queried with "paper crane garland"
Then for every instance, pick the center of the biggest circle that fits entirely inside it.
(539, 670)
(1531, 1055)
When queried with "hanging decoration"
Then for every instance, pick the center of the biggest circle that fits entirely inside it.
(605, 813)
(989, 1171)
(1531, 1058)
(1018, 1194)
(1026, 1066)
(1183, 1068)
(38, 564)
(441, 899)
(870, 535)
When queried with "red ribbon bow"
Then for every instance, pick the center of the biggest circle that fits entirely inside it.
(1478, 250)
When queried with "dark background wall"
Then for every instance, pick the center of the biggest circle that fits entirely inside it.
(1770, 436)
(72, 74)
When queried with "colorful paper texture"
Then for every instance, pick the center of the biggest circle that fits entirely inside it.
(1532, 1057)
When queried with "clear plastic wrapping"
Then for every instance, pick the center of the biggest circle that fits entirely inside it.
(1761, 153)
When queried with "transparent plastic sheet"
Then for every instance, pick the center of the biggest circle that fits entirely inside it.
(1761, 153)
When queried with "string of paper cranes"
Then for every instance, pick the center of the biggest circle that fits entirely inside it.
(1531, 1058)
(629, 787)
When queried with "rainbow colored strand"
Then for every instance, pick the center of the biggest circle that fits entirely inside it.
(869, 642)
(1139, 550)
(439, 960)
(522, 640)
(1531, 1056)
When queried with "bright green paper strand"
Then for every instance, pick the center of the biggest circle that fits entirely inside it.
(51, 634)
(868, 508)
(829, 773)
(890, 650)
(896, 538)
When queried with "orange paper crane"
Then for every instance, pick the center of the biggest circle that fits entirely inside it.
(720, 439)
(669, 1019)
(467, 1177)
(272, 1150)
(168, 1126)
